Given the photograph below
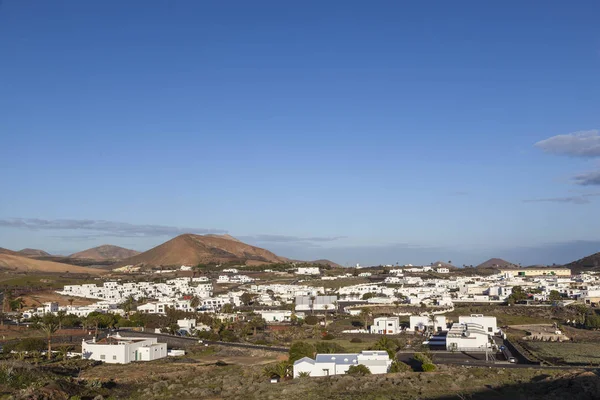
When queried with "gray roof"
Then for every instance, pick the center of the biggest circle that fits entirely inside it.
(342, 359)
(304, 359)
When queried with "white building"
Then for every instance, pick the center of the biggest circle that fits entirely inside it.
(308, 271)
(275, 315)
(386, 326)
(188, 325)
(123, 350)
(419, 323)
(467, 337)
(488, 324)
(316, 303)
(442, 270)
(377, 361)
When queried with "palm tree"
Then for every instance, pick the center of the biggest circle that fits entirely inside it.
(431, 321)
(71, 300)
(49, 327)
(365, 314)
(60, 317)
(194, 303)
(312, 304)
(326, 307)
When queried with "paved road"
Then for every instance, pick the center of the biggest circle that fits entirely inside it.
(182, 340)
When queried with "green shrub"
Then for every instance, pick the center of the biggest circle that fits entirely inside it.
(31, 344)
(428, 367)
(356, 340)
(299, 350)
(329, 348)
(399, 366)
(328, 336)
(359, 369)
(422, 358)
(311, 320)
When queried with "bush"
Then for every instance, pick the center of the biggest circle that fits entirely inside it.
(328, 336)
(299, 350)
(422, 358)
(311, 320)
(356, 340)
(359, 369)
(329, 348)
(31, 344)
(399, 366)
(428, 367)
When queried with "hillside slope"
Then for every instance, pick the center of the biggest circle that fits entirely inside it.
(495, 263)
(105, 252)
(189, 249)
(13, 263)
(591, 262)
(7, 251)
(33, 253)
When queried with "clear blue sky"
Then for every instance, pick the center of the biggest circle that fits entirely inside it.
(372, 132)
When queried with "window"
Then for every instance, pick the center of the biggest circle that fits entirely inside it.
(102, 357)
(114, 357)
(490, 329)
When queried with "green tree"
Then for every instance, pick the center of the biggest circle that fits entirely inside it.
(368, 296)
(311, 320)
(257, 323)
(359, 369)
(299, 350)
(227, 308)
(60, 318)
(554, 295)
(517, 295)
(195, 302)
(247, 298)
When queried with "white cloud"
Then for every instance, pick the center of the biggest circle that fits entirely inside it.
(576, 144)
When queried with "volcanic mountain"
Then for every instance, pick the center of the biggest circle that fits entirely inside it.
(105, 252)
(586, 263)
(13, 263)
(495, 263)
(7, 251)
(189, 249)
(33, 253)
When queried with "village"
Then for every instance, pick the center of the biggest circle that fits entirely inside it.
(429, 305)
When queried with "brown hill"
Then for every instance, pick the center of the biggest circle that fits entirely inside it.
(585, 264)
(33, 253)
(495, 263)
(326, 262)
(228, 237)
(105, 252)
(191, 249)
(14, 263)
(7, 251)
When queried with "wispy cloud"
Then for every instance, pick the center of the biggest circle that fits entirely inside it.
(289, 239)
(459, 193)
(588, 179)
(580, 199)
(576, 144)
(104, 228)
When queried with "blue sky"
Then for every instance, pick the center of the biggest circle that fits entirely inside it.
(376, 132)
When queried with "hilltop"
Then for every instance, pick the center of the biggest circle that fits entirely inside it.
(591, 262)
(14, 263)
(7, 251)
(495, 263)
(33, 253)
(326, 262)
(189, 249)
(105, 252)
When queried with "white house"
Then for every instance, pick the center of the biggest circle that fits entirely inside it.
(275, 315)
(442, 270)
(488, 324)
(377, 361)
(467, 337)
(123, 350)
(316, 303)
(420, 323)
(188, 325)
(386, 326)
(308, 271)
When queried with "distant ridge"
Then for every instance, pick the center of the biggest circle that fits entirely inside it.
(105, 253)
(33, 253)
(189, 249)
(591, 262)
(7, 251)
(326, 262)
(19, 264)
(443, 264)
(496, 263)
